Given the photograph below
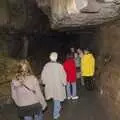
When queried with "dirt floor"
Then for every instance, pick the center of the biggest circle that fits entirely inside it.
(88, 107)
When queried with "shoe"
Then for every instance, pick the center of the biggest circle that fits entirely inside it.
(57, 118)
(68, 98)
(75, 98)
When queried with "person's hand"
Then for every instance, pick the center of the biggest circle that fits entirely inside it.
(44, 108)
(64, 85)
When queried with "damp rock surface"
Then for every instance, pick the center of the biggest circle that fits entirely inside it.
(108, 62)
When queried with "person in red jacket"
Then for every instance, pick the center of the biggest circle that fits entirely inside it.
(70, 68)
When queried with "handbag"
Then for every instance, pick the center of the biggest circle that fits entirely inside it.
(29, 110)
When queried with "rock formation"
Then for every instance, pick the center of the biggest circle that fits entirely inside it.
(74, 13)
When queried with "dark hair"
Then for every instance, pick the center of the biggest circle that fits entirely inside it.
(69, 55)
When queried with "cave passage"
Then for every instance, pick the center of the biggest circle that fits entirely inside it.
(88, 106)
(32, 29)
(41, 46)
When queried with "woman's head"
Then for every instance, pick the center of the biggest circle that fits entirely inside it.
(23, 68)
(86, 51)
(79, 50)
(72, 49)
(75, 55)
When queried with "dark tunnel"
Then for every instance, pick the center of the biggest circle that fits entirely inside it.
(41, 46)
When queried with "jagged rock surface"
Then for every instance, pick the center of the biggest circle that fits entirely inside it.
(95, 13)
(108, 65)
(106, 13)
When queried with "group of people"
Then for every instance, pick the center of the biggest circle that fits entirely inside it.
(59, 82)
(85, 66)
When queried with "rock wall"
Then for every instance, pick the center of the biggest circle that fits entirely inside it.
(4, 13)
(13, 13)
(7, 69)
(108, 67)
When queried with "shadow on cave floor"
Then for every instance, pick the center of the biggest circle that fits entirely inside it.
(88, 107)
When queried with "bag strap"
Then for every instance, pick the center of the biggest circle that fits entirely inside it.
(33, 91)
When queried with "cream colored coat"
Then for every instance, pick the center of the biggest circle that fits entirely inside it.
(22, 96)
(54, 78)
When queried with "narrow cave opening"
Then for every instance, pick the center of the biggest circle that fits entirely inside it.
(41, 46)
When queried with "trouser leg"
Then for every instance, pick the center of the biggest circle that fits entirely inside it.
(28, 118)
(73, 89)
(82, 81)
(39, 116)
(57, 108)
(89, 84)
(68, 90)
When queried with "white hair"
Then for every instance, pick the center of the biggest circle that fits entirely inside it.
(53, 56)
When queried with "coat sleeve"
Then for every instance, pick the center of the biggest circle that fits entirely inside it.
(40, 95)
(64, 66)
(63, 75)
(82, 65)
(14, 85)
(13, 91)
(93, 64)
(43, 74)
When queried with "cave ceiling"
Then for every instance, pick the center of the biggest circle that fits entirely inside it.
(94, 13)
(43, 15)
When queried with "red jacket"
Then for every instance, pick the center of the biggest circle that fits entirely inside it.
(69, 66)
